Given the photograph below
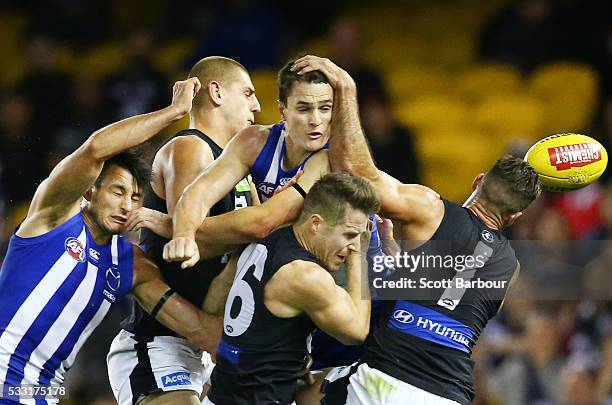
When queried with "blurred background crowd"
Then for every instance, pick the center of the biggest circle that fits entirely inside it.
(445, 88)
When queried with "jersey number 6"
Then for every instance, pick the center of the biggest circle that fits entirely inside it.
(240, 305)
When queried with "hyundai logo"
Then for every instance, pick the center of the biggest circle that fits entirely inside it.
(403, 316)
(487, 236)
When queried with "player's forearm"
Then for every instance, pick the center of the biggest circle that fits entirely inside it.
(178, 314)
(360, 295)
(218, 292)
(349, 149)
(120, 136)
(246, 225)
(189, 212)
(200, 328)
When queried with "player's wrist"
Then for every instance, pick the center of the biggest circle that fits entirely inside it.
(176, 112)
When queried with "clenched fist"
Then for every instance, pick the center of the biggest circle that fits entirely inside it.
(183, 93)
(182, 249)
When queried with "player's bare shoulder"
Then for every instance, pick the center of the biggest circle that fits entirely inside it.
(297, 285)
(255, 135)
(249, 142)
(183, 150)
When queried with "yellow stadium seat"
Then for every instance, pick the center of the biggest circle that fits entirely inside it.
(317, 46)
(171, 55)
(410, 82)
(451, 159)
(483, 80)
(434, 112)
(102, 60)
(508, 116)
(266, 90)
(392, 51)
(569, 93)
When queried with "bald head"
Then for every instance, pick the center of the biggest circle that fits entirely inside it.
(218, 69)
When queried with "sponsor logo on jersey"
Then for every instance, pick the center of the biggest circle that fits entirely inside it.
(487, 236)
(243, 186)
(430, 327)
(180, 378)
(578, 155)
(75, 249)
(109, 297)
(403, 316)
(284, 181)
(94, 254)
(113, 278)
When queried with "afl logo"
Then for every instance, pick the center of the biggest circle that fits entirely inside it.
(113, 279)
(75, 249)
(266, 188)
(403, 316)
(487, 236)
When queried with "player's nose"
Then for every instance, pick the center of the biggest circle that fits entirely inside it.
(315, 118)
(255, 107)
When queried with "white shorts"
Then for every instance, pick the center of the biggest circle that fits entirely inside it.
(369, 386)
(139, 366)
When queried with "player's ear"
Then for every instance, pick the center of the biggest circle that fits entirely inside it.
(281, 109)
(316, 221)
(477, 180)
(214, 92)
(88, 193)
(513, 218)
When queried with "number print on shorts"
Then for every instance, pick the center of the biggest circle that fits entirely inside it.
(250, 266)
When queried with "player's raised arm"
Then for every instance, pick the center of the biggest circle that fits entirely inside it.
(170, 309)
(349, 149)
(344, 315)
(208, 188)
(77, 172)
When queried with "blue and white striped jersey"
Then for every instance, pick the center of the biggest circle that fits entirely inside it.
(267, 170)
(55, 289)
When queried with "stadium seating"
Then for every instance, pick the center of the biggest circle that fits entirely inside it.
(568, 91)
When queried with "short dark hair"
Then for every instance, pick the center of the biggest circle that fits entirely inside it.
(331, 194)
(134, 162)
(510, 186)
(286, 79)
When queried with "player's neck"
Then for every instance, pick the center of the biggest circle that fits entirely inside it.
(212, 126)
(300, 235)
(488, 218)
(294, 154)
(98, 235)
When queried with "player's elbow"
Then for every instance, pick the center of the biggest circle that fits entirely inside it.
(356, 336)
(354, 339)
(94, 147)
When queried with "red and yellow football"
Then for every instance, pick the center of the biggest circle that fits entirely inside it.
(567, 162)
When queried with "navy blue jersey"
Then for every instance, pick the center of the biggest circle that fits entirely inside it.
(260, 355)
(193, 283)
(428, 342)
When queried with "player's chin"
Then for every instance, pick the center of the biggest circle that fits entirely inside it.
(115, 228)
(316, 144)
(336, 263)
